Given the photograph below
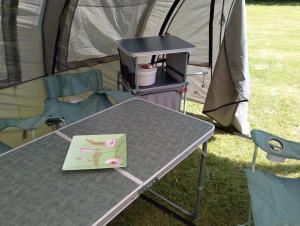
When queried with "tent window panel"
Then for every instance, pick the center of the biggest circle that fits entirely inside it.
(3, 69)
(66, 20)
(22, 58)
(157, 16)
(94, 30)
(112, 4)
(22, 101)
(193, 27)
(30, 12)
(29, 30)
(9, 10)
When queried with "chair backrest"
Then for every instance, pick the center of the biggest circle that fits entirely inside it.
(73, 84)
(289, 149)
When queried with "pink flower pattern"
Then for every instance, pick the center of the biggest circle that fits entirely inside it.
(114, 162)
(84, 149)
(111, 143)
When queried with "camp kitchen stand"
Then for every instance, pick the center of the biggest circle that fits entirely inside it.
(171, 74)
(35, 191)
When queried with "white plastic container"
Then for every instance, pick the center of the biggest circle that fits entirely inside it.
(146, 74)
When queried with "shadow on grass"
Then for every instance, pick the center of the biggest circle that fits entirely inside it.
(274, 2)
(225, 197)
(219, 129)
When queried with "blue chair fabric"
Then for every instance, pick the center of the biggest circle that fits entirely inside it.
(58, 86)
(290, 149)
(275, 200)
(71, 85)
(4, 147)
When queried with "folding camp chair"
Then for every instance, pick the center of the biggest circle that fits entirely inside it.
(274, 200)
(59, 87)
(59, 112)
(26, 125)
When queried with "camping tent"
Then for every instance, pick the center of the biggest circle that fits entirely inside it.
(42, 37)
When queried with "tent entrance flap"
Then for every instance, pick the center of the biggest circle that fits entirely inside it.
(227, 96)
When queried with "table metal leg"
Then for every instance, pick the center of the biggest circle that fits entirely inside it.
(119, 81)
(168, 211)
(136, 70)
(250, 215)
(184, 99)
(200, 183)
(195, 214)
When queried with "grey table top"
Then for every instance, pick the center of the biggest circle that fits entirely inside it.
(35, 191)
(148, 46)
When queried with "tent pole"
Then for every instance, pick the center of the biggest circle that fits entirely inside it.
(211, 27)
(166, 21)
(144, 18)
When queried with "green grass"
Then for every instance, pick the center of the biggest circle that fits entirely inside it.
(274, 52)
(273, 2)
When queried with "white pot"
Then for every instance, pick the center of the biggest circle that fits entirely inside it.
(146, 74)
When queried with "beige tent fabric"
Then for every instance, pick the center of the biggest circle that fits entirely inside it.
(98, 23)
(24, 100)
(27, 40)
(199, 79)
(230, 81)
(221, 93)
(29, 25)
(3, 69)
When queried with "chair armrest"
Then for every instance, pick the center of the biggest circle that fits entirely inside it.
(117, 96)
(26, 124)
(4, 147)
(290, 149)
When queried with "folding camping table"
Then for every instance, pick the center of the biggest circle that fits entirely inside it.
(35, 191)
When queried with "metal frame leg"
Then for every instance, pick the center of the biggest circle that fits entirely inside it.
(253, 170)
(118, 81)
(200, 182)
(33, 134)
(184, 99)
(254, 158)
(250, 215)
(136, 71)
(195, 214)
